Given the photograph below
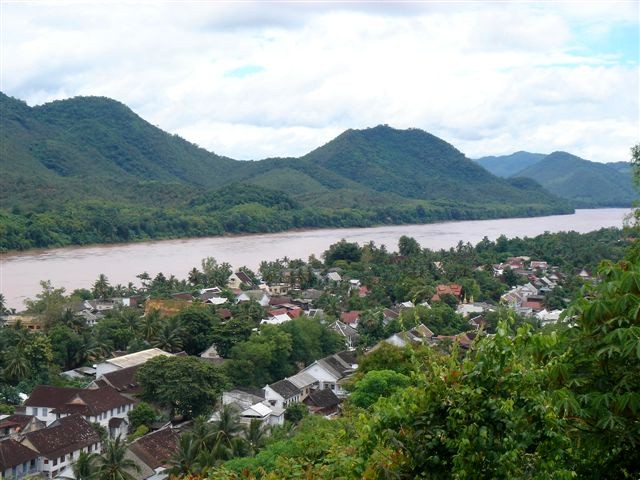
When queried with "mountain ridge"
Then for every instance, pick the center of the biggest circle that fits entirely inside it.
(121, 178)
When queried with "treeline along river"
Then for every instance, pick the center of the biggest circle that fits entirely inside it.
(78, 267)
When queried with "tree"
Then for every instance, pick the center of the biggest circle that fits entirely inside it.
(342, 250)
(66, 344)
(376, 384)
(84, 467)
(187, 385)
(216, 275)
(197, 325)
(141, 414)
(17, 366)
(112, 464)
(169, 335)
(101, 288)
(408, 246)
(296, 412)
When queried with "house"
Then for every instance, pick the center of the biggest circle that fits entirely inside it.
(123, 381)
(13, 425)
(418, 334)
(130, 360)
(257, 296)
(331, 371)
(99, 405)
(211, 354)
(304, 382)
(18, 461)
(31, 322)
(334, 277)
(267, 414)
(60, 444)
(546, 317)
(349, 333)
(452, 289)
(278, 288)
(311, 294)
(278, 319)
(239, 278)
(282, 393)
(242, 398)
(534, 265)
(322, 402)
(151, 453)
(350, 318)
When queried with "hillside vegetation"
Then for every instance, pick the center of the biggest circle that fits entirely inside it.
(89, 170)
(585, 184)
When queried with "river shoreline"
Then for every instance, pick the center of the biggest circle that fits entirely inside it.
(36, 251)
(79, 266)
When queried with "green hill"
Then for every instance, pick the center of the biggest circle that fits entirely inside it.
(508, 165)
(584, 183)
(89, 170)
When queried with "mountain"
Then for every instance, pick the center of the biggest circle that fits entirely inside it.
(622, 167)
(507, 165)
(584, 183)
(89, 170)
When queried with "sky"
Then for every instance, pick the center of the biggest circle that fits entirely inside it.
(252, 80)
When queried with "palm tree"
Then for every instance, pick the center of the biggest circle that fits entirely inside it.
(149, 325)
(112, 464)
(184, 460)
(101, 287)
(16, 364)
(226, 433)
(169, 336)
(85, 466)
(255, 435)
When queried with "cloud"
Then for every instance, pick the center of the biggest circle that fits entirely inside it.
(249, 80)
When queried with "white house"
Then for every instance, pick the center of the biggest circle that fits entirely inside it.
(282, 393)
(18, 461)
(276, 319)
(99, 405)
(332, 370)
(258, 296)
(60, 444)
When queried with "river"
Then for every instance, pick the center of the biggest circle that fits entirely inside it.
(78, 267)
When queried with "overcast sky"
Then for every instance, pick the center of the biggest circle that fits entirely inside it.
(252, 80)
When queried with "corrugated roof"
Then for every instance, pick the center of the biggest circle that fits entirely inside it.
(302, 380)
(137, 358)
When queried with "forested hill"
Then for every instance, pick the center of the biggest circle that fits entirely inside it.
(583, 183)
(89, 170)
(507, 165)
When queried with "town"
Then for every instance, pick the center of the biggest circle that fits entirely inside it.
(136, 372)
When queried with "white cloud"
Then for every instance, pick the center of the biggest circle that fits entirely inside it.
(488, 78)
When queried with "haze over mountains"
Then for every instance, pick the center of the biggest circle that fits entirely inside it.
(89, 169)
(585, 184)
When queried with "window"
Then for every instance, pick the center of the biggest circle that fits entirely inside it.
(55, 462)
(33, 464)
(34, 411)
(62, 459)
(46, 461)
(70, 457)
(45, 412)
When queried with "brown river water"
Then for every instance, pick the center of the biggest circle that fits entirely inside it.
(78, 267)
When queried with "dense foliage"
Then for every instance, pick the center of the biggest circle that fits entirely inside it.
(88, 170)
(558, 403)
(569, 177)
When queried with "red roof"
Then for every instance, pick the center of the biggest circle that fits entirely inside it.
(350, 317)
(89, 402)
(13, 454)
(65, 435)
(363, 291)
(451, 289)
(156, 448)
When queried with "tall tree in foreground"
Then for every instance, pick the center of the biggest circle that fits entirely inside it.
(112, 463)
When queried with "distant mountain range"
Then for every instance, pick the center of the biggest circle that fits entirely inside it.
(585, 184)
(89, 170)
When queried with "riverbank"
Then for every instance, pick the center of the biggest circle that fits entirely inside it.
(77, 267)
